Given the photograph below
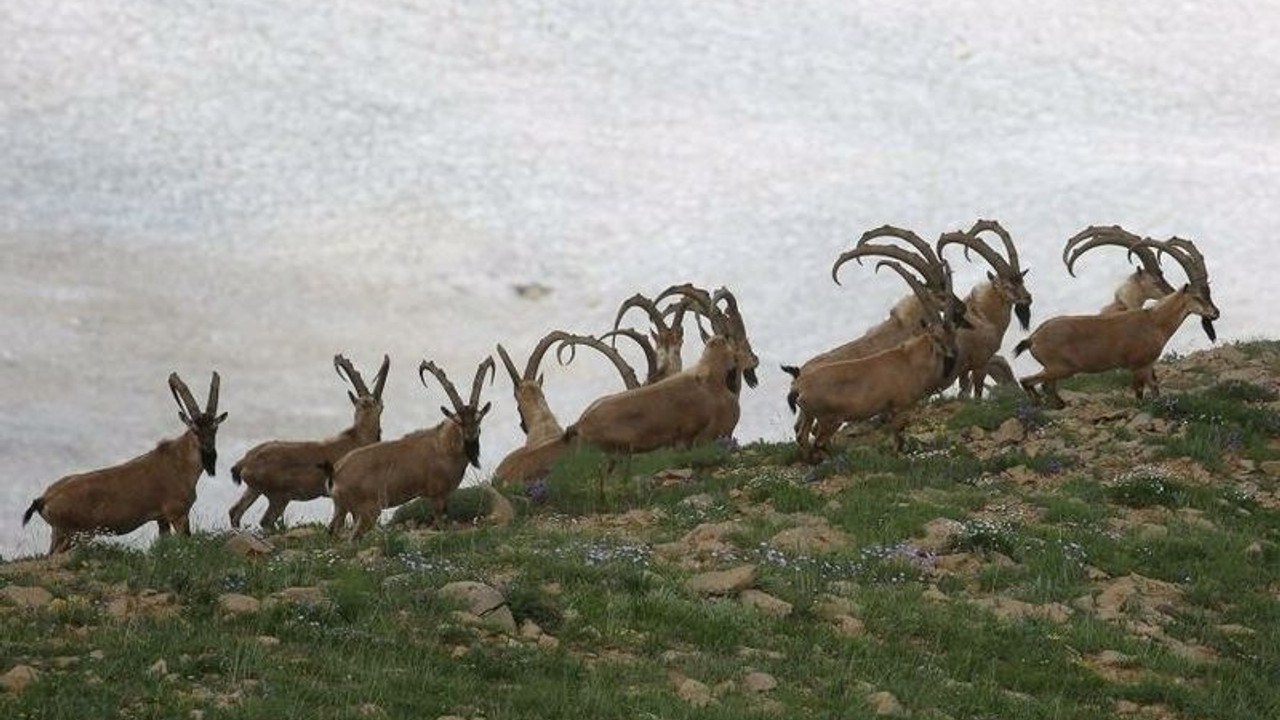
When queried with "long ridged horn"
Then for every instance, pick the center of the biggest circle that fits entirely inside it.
(539, 351)
(970, 242)
(650, 307)
(1188, 256)
(182, 395)
(626, 371)
(511, 367)
(925, 249)
(429, 366)
(478, 383)
(1010, 250)
(1098, 235)
(348, 372)
(650, 355)
(380, 380)
(926, 298)
(701, 303)
(927, 268)
(211, 404)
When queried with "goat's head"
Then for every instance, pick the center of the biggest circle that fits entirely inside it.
(466, 416)
(668, 338)
(1008, 277)
(1149, 277)
(202, 423)
(1197, 288)
(368, 405)
(527, 387)
(726, 324)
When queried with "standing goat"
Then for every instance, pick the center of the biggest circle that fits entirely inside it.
(989, 308)
(543, 433)
(288, 471)
(663, 353)
(427, 463)
(1133, 339)
(158, 486)
(885, 384)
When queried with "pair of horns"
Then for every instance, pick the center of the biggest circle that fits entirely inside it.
(1008, 268)
(348, 372)
(1184, 252)
(566, 340)
(925, 260)
(487, 366)
(1096, 236)
(187, 402)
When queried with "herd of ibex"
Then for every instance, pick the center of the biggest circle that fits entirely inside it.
(931, 340)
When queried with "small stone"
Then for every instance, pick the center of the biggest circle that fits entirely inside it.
(1009, 432)
(237, 604)
(248, 545)
(547, 642)
(765, 603)
(1152, 531)
(18, 678)
(814, 537)
(501, 512)
(369, 710)
(884, 703)
(1271, 468)
(482, 601)
(160, 667)
(268, 641)
(701, 501)
(305, 595)
(529, 630)
(723, 582)
(27, 597)
(1233, 629)
(1254, 549)
(693, 692)
(97, 655)
(759, 682)
(934, 595)
(370, 554)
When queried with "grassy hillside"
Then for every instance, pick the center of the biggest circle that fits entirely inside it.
(1112, 559)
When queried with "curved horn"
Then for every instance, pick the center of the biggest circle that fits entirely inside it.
(1188, 256)
(539, 351)
(650, 356)
(477, 384)
(511, 367)
(211, 404)
(182, 395)
(701, 303)
(926, 298)
(628, 374)
(650, 308)
(352, 376)
(380, 380)
(428, 366)
(971, 242)
(924, 248)
(924, 266)
(1010, 250)
(1097, 236)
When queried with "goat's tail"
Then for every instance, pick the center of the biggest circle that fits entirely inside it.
(326, 467)
(36, 507)
(791, 370)
(1021, 347)
(235, 474)
(792, 397)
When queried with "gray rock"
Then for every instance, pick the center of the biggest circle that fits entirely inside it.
(723, 582)
(482, 601)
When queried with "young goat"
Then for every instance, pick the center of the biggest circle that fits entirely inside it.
(288, 471)
(427, 463)
(543, 433)
(990, 305)
(886, 384)
(1146, 283)
(1132, 339)
(158, 486)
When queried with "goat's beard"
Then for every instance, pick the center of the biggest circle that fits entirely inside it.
(209, 460)
(750, 376)
(1207, 324)
(1023, 311)
(472, 449)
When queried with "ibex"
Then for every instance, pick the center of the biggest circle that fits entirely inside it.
(1146, 283)
(990, 305)
(1132, 339)
(887, 383)
(158, 486)
(689, 407)
(286, 471)
(543, 433)
(427, 463)
(668, 338)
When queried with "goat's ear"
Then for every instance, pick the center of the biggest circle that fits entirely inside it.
(963, 322)
(1186, 288)
(448, 414)
(653, 334)
(540, 377)
(219, 419)
(1024, 273)
(353, 397)
(991, 276)
(480, 415)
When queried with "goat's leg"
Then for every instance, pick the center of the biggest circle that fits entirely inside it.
(439, 511)
(182, 524)
(60, 541)
(823, 432)
(1051, 392)
(275, 510)
(979, 381)
(238, 510)
(1048, 381)
(365, 521)
(339, 519)
(968, 386)
(897, 424)
(1143, 378)
(163, 526)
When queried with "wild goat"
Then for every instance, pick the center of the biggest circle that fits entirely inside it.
(543, 433)
(286, 471)
(668, 338)
(989, 308)
(427, 463)
(1132, 339)
(1146, 283)
(689, 407)
(158, 486)
(886, 384)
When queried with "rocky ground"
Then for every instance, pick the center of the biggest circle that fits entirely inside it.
(1114, 559)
